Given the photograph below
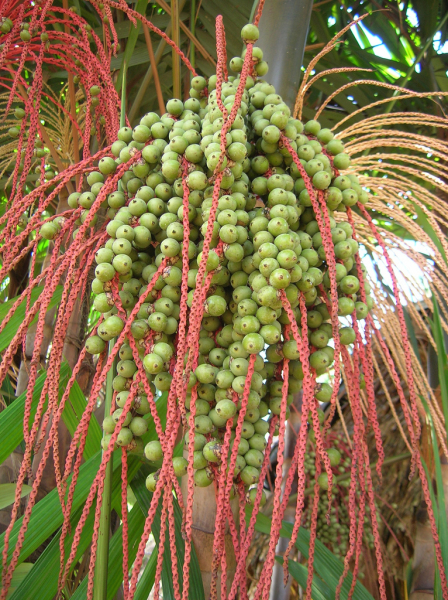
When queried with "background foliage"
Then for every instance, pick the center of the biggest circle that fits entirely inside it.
(399, 44)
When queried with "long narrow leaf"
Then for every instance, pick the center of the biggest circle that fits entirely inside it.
(140, 7)
(41, 583)
(40, 526)
(7, 391)
(72, 414)
(44, 575)
(8, 493)
(16, 320)
(196, 591)
(146, 582)
(327, 566)
(19, 574)
(439, 501)
(11, 419)
(442, 361)
(144, 501)
(423, 221)
(411, 331)
(320, 590)
(115, 574)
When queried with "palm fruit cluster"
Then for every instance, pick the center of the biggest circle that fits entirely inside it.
(333, 523)
(265, 239)
(6, 25)
(335, 532)
(39, 152)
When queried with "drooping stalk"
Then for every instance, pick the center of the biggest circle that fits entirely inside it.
(147, 78)
(252, 10)
(48, 143)
(155, 72)
(192, 29)
(72, 94)
(102, 557)
(176, 39)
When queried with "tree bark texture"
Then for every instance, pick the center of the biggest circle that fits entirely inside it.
(204, 515)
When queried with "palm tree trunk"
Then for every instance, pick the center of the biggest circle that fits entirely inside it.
(204, 516)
